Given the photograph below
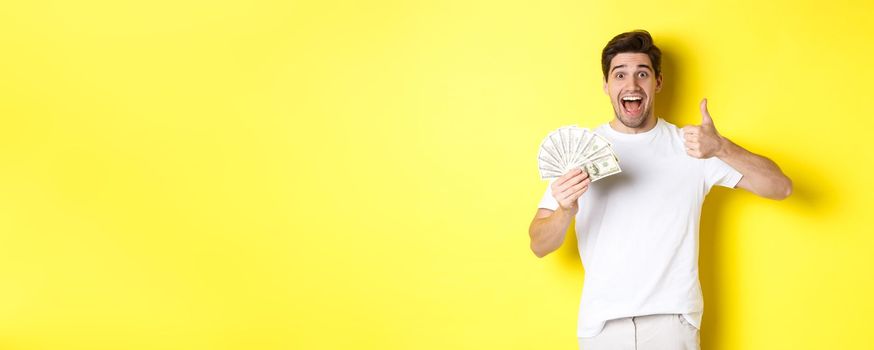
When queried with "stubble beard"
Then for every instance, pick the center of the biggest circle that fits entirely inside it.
(631, 123)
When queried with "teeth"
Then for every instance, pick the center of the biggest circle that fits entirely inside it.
(631, 98)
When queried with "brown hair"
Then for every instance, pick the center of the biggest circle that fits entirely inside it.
(638, 41)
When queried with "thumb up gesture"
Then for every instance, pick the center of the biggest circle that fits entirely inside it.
(702, 141)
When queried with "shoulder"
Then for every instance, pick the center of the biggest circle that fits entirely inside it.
(666, 125)
(670, 130)
(673, 136)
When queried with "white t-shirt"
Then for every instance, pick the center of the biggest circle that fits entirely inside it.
(637, 231)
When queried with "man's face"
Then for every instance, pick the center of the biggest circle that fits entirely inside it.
(632, 84)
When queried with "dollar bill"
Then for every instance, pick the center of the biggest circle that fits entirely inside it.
(547, 165)
(571, 147)
(579, 138)
(596, 144)
(549, 151)
(547, 174)
(589, 158)
(602, 167)
(555, 141)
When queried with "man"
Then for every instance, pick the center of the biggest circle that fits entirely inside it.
(637, 231)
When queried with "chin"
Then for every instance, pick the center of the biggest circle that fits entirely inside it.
(631, 122)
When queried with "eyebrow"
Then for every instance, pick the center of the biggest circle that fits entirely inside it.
(638, 66)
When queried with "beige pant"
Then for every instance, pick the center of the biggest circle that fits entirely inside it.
(652, 332)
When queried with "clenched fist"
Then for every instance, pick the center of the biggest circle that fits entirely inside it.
(702, 141)
(569, 187)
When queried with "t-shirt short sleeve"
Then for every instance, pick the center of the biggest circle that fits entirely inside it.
(548, 202)
(718, 173)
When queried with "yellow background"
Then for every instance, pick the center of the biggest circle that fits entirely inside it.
(342, 174)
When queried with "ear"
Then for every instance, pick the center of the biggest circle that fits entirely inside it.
(605, 88)
(659, 83)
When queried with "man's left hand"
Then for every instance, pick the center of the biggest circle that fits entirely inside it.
(702, 141)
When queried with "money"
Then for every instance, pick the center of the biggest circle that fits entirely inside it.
(571, 147)
(602, 167)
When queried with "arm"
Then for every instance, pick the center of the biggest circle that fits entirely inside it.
(760, 175)
(548, 228)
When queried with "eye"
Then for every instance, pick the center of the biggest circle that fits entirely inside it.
(642, 75)
(620, 75)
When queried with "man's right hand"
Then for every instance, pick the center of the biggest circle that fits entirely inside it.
(569, 187)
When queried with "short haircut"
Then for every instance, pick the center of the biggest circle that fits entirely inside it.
(637, 41)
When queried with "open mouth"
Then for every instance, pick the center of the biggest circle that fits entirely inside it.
(632, 105)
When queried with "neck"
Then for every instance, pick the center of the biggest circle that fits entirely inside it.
(617, 125)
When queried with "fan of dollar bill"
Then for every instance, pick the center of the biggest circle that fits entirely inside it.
(571, 147)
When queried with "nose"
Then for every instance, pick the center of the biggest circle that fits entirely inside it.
(636, 82)
(633, 85)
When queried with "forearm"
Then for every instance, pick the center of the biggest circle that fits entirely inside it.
(547, 233)
(760, 175)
